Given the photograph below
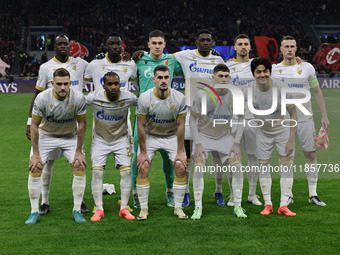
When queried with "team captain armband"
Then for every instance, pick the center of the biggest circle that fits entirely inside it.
(314, 83)
(291, 106)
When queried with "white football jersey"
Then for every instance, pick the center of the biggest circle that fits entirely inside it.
(263, 100)
(110, 117)
(59, 118)
(297, 76)
(99, 67)
(75, 66)
(241, 76)
(215, 110)
(161, 114)
(196, 68)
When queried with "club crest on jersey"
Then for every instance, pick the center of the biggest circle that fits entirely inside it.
(172, 106)
(74, 67)
(299, 70)
(152, 106)
(125, 70)
(71, 107)
(51, 106)
(213, 61)
(122, 104)
(234, 69)
(166, 61)
(280, 71)
(103, 67)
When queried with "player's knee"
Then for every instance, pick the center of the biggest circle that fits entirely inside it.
(180, 169)
(78, 168)
(144, 169)
(310, 155)
(37, 171)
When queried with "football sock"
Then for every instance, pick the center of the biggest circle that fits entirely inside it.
(97, 186)
(143, 189)
(34, 186)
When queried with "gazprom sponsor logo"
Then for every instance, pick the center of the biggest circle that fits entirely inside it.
(241, 82)
(193, 68)
(160, 121)
(101, 115)
(212, 115)
(51, 118)
(75, 83)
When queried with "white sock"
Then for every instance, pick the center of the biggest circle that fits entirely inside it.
(188, 171)
(198, 184)
(46, 177)
(34, 187)
(143, 189)
(78, 188)
(230, 181)
(252, 175)
(237, 183)
(286, 182)
(312, 177)
(97, 186)
(125, 186)
(265, 182)
(218, 174)
(179, 190)
(169, 190)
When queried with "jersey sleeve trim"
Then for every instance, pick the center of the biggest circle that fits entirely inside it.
(36, 117)
(141, 116)
(81, 116)
(182, 115)
(39, 88)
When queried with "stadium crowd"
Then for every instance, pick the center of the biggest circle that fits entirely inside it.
(90, 23)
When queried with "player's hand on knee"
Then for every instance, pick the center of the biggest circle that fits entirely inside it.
(181, 157)
(79, 162)
(199, 153)
(141, 158)
(36, 165)
(78, 166)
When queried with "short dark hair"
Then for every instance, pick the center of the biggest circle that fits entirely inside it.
(204, 31)
(114, 34)
(260, 61)
(287, 37)
(221, 67)
(110, 74)
(241, 36)
(61, 72)
(156, 33)
(161, 68)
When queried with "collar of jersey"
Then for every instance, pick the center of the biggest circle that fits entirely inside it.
(148, 56)
(235, 60)
(270, 86)
(154, 92)
(109, 99)
(55, 95)
(56, 60)
(107, 58)
(199, 54)
(283, 63)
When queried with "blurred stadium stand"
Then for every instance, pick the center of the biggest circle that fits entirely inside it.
(29, 27)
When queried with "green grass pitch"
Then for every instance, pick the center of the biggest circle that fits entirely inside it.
(315, 230)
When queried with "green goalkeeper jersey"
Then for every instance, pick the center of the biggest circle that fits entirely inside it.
(146, 66)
